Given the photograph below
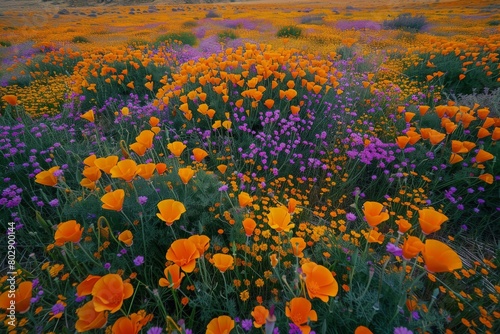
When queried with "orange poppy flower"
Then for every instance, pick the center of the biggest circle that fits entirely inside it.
(47, 178)
(496, 134)
(259, 314)
(279, 219)
(170, 211)
(439, 257)
(184, 253)
(220, 325)
(89, 318)
(126, 237)
(89, 161)
(125, 170)
(292, 204)
(375, 213)
(113, 200)
(486, 177)
(269, 103)
(483, 113)
(89, 116)
(131, 324)
(10, 99)
(362, 330)
(145, 138)
(125, 111)
(105, 164)
(404, 225)
(176, 148)
(430, 220)
(161, 167)
(274, 260)
(109, 292)
(199, 154)
(300, 311)
(87, 184)
(249, 225)
(222, 168)
(222, 261)
(244, 199)
(154, 121)
(86, 286)
(186, 174)
(173, 276)
(455, 158)
(69, 231)
(458, 147)
(374, 236)
(413, 137)
(483, 156)
(146, 170)
(138, 149)
(298, 245)
(483, 133)
(319, 281)
(92, 173)
(22, 297)
(412, 247)
(436, 137)
(202, 242)
(402, 141)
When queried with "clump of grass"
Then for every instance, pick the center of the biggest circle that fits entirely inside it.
(406, 22)
(289, 32)
(80, 39)
(190, 24)
(212, 14)
(312, 19)
(183, 37)
(493, 23)
(227, 35)
(5, 43)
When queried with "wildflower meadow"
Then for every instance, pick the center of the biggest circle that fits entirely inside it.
(250, 167)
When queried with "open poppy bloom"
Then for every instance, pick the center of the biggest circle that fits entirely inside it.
(105, 164)
(170, 211)
(403, 224)
(375, 213)
(145, 138)
(47, 178)
(430, 220)
(279, 219)
(374, 236)
(184, 253)
(260, 314)
(222, 261)
(298, 245)
(22, 297)
(138, 148)
(10, 99)
(249, 225)
(483, 156)
(199, 154)
(89, 116)
(176, 148)
(220, 325)
(131, 324)
(244, 199)
(362, 330)
(92, 173)
(86, 286)
(109, 292)
(300, 311)
(113, 200)
(186, 174)
(146, 170)
(126, 237)
(125, 170)
(319, 281)
(173, 276)
(412, 247)
(202, 242)
(439, 257)
(69, 231)
(89, 318)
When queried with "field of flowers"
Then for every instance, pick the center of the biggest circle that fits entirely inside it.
(251, 168)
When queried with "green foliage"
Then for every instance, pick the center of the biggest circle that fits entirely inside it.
(181, 38)
(406, 22)
(5, 43)
(80, 39)
(289, 32)
(226, 35)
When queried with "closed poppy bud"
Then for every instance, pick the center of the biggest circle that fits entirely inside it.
(300, 311)
(222, 261)
(274, 260)
(292, 204)
(170, 211)
(455, 158)
(249, 225)
(439, 257)
(320, 282)
(298, 245)
(86, 286)
(269, 103)
(186, 174)
(69, 231)
(435, 137)
(113, 200)
(244, 199)
(279, 219)
(259, 314)
(176, 148)
(375, 213)
(89, 318)
(22, 297)
(47, 178)
(402, 141)
(412, 247)
(125, 170)
(483, 156)
(202, 242)
(222, 168)
(10, 99)
(486, 177)
(430, 220)
(220, 325)
(153, 121)
(105, 164)
(161, 168)
(184, 253)
(458, 147)
(109, 292)
(89, 116)
(199, 154)
(126, 237)
(173, 276)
